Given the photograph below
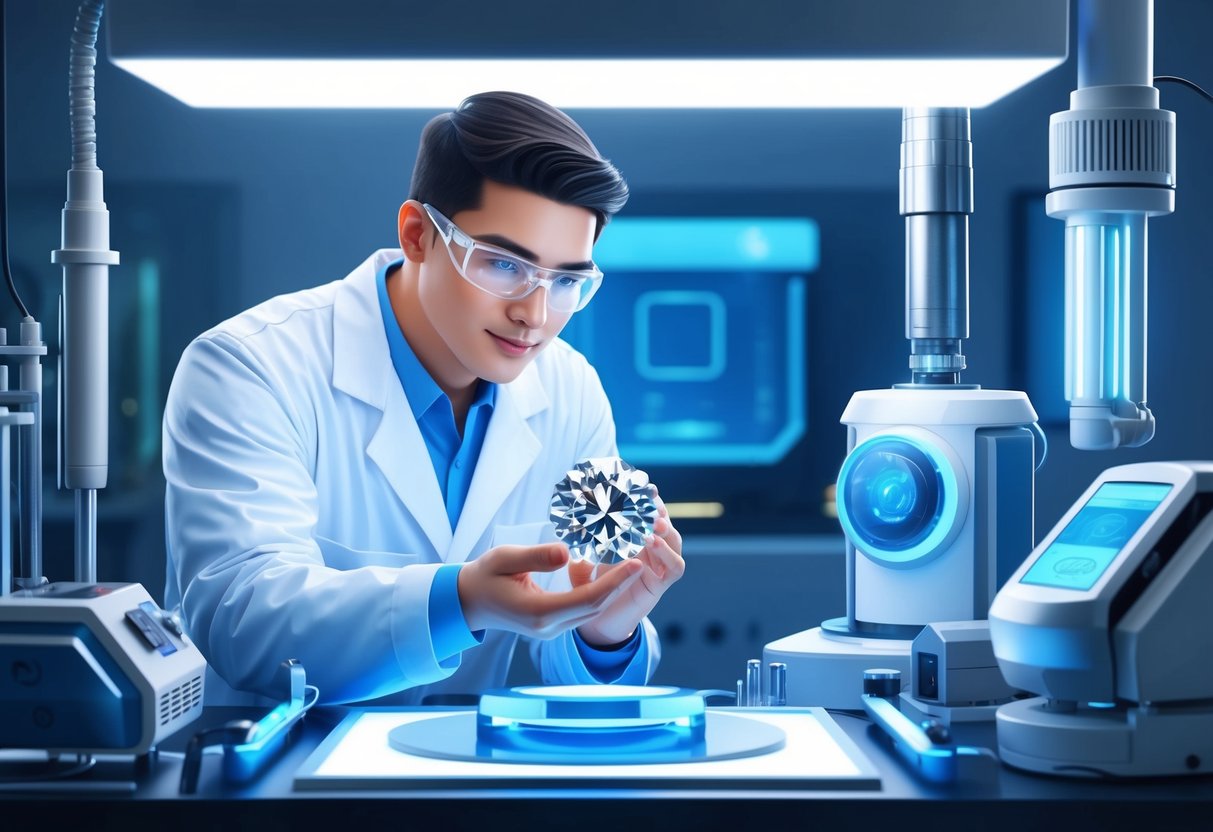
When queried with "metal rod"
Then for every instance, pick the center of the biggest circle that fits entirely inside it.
(29, 457)
(86, 535)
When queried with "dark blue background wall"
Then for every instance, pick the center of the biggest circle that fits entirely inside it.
(251, 204)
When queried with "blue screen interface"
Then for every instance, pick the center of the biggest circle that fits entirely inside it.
(700, 336)
(1090, 542)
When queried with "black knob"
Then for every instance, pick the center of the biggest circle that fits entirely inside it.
(882, 682)
(936, 732)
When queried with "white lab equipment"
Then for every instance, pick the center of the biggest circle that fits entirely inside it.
(91, 667)
(935, 497)
(1111, 167)
(94, 668)
(1109, 622)
(935, 494)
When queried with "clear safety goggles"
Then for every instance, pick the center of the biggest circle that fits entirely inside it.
(505, 275)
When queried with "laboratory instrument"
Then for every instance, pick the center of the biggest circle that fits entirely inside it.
(955, 676)
(604, 510)
(94, 668)
(1111, 168)
(249, 746)
(588, 725)
(927, 746)
(1109, 622)
(588, 736)
(935, 495)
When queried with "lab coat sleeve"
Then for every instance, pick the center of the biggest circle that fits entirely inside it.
(559, 659)
(241, 509)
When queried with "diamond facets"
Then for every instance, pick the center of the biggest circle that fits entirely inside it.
(604, 509)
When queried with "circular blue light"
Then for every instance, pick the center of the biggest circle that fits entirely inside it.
(897, 499)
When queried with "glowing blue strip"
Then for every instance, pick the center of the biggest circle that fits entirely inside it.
(511, 706)
(709, 244)
(1119, 292)
(1079, 314)
(1127, 347)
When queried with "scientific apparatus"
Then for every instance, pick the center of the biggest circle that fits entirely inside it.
(935, 494)
(588, 725)
(94, 668)
(1109, 622)
(926, 747)
(1111, 168)
(572, 736)
(955, 675)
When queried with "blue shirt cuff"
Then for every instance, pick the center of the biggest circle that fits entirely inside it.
(607, 664)
(448, 628)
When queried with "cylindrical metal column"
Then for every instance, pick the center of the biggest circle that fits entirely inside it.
(936, 200)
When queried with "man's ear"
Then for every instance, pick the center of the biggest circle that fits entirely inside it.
(411, 225)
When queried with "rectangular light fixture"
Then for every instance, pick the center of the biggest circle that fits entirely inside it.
(640, 84)
(707, 54)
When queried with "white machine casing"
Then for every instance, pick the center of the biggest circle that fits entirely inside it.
(990, 530)
(43, 623)
(986, 443)
(1122, 668)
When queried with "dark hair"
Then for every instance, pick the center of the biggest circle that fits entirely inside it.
(516, 140)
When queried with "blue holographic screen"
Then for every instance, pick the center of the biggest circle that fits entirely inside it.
(1091, 541)
(699, 336)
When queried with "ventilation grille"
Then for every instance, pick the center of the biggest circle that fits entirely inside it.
(1128, 149)
(180, 701)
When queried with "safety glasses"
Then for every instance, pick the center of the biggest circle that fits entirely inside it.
(504, 274)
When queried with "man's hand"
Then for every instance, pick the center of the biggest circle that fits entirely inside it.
(497, 592)
(662, 564)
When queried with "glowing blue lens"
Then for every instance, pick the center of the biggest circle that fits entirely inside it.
(893, 493)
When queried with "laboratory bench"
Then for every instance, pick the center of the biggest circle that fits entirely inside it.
(118, 793)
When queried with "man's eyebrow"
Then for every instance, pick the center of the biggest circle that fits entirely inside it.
(522, 251)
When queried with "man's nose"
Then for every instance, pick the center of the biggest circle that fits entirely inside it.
(531, 311)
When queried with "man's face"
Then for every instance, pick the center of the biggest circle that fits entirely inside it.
(486, 336)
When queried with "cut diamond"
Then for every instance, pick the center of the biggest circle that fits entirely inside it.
(603, 510)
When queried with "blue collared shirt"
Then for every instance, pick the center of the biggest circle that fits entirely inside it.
(454, 458)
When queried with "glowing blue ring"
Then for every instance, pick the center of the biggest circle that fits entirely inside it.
(925, 543)
(592, 708)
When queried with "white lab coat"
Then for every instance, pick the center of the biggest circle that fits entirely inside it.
(304, 518)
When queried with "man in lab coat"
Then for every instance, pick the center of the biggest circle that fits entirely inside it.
(359, 474)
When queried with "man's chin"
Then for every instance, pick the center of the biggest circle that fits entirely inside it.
(503, 372)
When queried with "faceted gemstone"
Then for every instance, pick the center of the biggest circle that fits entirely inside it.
(603, 510)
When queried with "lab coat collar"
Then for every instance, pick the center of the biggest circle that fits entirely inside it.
(362, 368)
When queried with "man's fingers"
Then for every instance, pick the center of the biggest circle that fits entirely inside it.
(664, 560)
(664, 529)
(512, 560)
(589, 596)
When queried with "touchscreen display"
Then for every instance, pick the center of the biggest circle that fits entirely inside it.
(1082, 552)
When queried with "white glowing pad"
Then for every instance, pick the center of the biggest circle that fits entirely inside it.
(817, 755)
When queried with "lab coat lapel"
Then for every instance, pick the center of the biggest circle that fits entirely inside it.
(400, 452)
(362, 368)
(510, 448)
